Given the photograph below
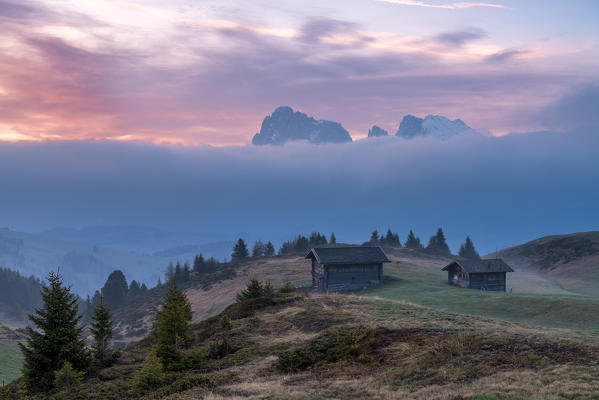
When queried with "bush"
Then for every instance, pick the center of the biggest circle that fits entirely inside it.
(287, 287)
(197, 380)
(254, 290)
(331, 346)
(150, 376)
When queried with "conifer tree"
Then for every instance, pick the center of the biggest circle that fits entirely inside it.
(169, 275)
(198, 263)
(333, 239)
(134, 288)
(374, 237)
(67, 377)
(101, 329)
(186, 273)
(259, 249)
(438, 244)
(56, 339)
(413, 242)
(270, 249)
(172, 327)
(253, 290)
(143, 288)
(240, 251)
(115, 289)
(467, 250)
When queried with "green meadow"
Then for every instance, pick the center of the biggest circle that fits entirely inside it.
(10, 362)
(428, 287)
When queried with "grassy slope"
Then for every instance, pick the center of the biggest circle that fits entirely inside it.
(10, 355)
(418, 278)
(572, 260)
(408, 352)
(426, 285)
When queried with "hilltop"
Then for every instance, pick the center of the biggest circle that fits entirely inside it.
(306, 346)
(572, 260)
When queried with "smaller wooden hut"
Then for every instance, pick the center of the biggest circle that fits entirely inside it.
(336, 269)
(478, 274)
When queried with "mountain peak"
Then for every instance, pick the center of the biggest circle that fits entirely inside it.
(436, 126)
(377, 131)
(285, 125)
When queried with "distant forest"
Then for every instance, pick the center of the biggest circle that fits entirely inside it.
(18, 294)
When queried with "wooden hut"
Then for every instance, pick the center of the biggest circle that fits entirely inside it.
(478, 274)
(336, 269)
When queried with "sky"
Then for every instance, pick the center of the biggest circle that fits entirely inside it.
(207, 73)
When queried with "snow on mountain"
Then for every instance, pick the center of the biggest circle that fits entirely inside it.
(435, 126)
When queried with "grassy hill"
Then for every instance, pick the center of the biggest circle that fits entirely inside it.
(301, 346)
(10, 355)
(413, 276)
(571, 260)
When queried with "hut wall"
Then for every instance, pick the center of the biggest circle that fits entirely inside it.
(458, 277)
(492, 281)
(318, 276)
(353, 277)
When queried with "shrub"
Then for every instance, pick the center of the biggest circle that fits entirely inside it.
(67, 377)
(150, 376)
(196, 380)
(331, 346)
(254, 290)
(287, 287)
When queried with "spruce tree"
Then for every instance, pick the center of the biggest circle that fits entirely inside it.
(186, 273)
(253, 290)
(333, 239)
(259, 249)
(240, 251)
(438, 244)
(101, 329)
(115, 289)
(134, 288)
(56, 339)
(198, 263)
(374, 237)
(172, 327)
(270, 249)
(67, 377)
(467, 250)
(413, 242)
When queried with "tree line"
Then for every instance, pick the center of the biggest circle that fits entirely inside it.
(300, 244)
(437, 243)
(18, 294)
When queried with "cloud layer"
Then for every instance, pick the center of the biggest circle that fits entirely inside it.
(501, 191)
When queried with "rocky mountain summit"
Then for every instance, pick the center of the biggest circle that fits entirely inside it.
(286, 125)
(435, 126)
(377, 131)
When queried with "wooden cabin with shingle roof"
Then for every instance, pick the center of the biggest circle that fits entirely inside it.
(336, 269)
(478, 274)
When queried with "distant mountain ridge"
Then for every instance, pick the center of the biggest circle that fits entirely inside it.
(285, 125)
(435, 126)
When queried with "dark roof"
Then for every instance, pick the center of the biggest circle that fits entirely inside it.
(348, 255)
(480, 266)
